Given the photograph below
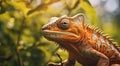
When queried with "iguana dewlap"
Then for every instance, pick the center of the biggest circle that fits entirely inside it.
(84, 44)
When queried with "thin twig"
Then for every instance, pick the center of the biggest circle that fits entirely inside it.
(60, 59)
(18, 41)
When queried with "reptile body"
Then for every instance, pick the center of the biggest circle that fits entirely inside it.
(84, 44)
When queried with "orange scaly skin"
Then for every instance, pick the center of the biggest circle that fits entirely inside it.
(84, 44)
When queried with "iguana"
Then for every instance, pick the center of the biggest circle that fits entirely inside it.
(88, 46)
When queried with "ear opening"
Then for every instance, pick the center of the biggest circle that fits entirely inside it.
(79, 18)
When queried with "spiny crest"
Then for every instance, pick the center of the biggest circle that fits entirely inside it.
(99, 31)
(106, 36)
(95, 29)
(115, 44)
(111, 41)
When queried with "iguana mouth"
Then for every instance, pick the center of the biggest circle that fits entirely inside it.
(57, 34)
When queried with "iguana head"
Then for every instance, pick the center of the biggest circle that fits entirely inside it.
(64, 29)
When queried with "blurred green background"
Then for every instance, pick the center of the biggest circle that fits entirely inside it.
(21, 43)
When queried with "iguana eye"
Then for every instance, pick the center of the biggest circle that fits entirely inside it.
(64, 24)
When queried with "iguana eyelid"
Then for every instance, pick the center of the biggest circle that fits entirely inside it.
(64, 24)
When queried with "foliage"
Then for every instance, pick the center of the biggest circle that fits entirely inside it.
(21, 42)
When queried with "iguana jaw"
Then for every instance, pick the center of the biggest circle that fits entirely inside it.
(58, 35)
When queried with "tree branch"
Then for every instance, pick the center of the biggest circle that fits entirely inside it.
(18, 41)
